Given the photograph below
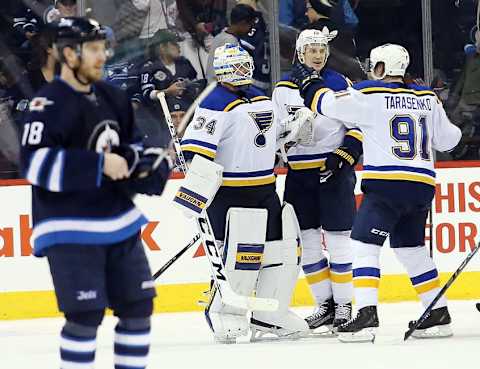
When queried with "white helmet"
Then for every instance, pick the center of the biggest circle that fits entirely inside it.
(233, 65)
(394, 57)
(314, 37)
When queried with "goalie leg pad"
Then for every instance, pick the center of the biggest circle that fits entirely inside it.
(242, 254)
(199, 187)
(277, 279)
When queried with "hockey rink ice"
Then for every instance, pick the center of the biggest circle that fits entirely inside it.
(183, 340)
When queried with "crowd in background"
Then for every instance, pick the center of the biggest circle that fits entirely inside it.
(168, 45)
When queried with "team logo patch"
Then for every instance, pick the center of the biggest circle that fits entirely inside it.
(263, 120)
(104, 136)
(39, 103)
(160, 75)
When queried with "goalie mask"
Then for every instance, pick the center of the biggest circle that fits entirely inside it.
(313, 37)
(233, 65)
(395, 59)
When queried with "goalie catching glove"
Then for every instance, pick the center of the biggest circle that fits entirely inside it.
(297, 128)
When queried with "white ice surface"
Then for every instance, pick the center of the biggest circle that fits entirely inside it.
(183, 340)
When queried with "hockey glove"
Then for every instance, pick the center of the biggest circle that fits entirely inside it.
(337, 160)
(307, 79)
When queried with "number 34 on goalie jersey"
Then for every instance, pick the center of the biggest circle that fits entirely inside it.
(237, 133)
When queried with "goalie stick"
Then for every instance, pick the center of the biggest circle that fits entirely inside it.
(441, 292)
(228, 296)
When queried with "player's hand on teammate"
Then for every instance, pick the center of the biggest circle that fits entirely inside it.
(305, 78)
(336, 161)
(115, 166)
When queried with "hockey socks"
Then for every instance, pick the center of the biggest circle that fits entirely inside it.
(366, 273)
(131, 348)
(77, 351)
(422, 272)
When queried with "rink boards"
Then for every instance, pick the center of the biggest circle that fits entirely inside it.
(26, 287)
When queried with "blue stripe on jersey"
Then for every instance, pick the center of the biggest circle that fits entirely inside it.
(432, 274)
(387, 168)
(100, 169)
(307, 156)
(257, 248)
(258, 173)
(310, 268)
(55, 176)
(200, 143)
(366, 272)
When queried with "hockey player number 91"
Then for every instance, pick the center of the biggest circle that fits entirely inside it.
(403, 129)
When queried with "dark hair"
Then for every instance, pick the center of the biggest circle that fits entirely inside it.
(242, 13)
(41, 42)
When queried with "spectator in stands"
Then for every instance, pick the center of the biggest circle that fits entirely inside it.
(178, 109)
(242, 19)
(162, 15)
(257, 43)
(343, 51)
(166, 70)
(292, 13)
(465, 97)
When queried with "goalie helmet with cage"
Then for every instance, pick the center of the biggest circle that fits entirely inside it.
(233, 65)
(395, 59)
(314, 37)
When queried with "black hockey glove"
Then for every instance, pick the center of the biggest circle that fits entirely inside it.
(336, 161)
(149, 169)
(307, 79)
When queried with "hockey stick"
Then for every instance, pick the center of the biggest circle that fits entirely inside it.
(441, 293)
(174, 259)
(228, 296)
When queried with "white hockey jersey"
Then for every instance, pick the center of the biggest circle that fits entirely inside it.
(401, 125)
(328, 133)
(236, 132)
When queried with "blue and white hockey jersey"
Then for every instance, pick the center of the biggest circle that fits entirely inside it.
(237, 132)
(64, 137)
(401, 125)
(329, 133)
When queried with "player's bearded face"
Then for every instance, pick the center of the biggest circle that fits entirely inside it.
(94, 55)
(315, 56)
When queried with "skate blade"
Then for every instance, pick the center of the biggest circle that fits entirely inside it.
(324, 331)
(262, 335)
(439, 331)
(364, 335)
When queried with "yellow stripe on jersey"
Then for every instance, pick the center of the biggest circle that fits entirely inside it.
(306, 164)
(287, 84)
(199, 150)
(349, 82)
(248, 182)
(317, 277)
(316, 98)
(356, 134)
(259, 98)
(341, 278)
(396, 90)
(234, 104)
(399, 177)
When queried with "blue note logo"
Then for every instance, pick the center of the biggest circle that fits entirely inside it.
(104, 136)
(263, 120)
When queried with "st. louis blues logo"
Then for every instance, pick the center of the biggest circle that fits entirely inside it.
(263, 120)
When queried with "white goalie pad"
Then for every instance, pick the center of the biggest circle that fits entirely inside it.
(277, 279)
(244, 247)
(243, 254)
(201, 183)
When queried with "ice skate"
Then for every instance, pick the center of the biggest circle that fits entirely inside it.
(362, 328)
(436, 325)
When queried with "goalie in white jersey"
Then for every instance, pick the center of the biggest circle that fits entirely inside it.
(320, 185)
(401, 124)
(233, 126)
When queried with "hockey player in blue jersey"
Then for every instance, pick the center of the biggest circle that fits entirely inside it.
(402, 124)
(233, 127)
(320, 185)
(81, 154)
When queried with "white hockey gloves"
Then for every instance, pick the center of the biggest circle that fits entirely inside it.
(201, 183)
(297, 128)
